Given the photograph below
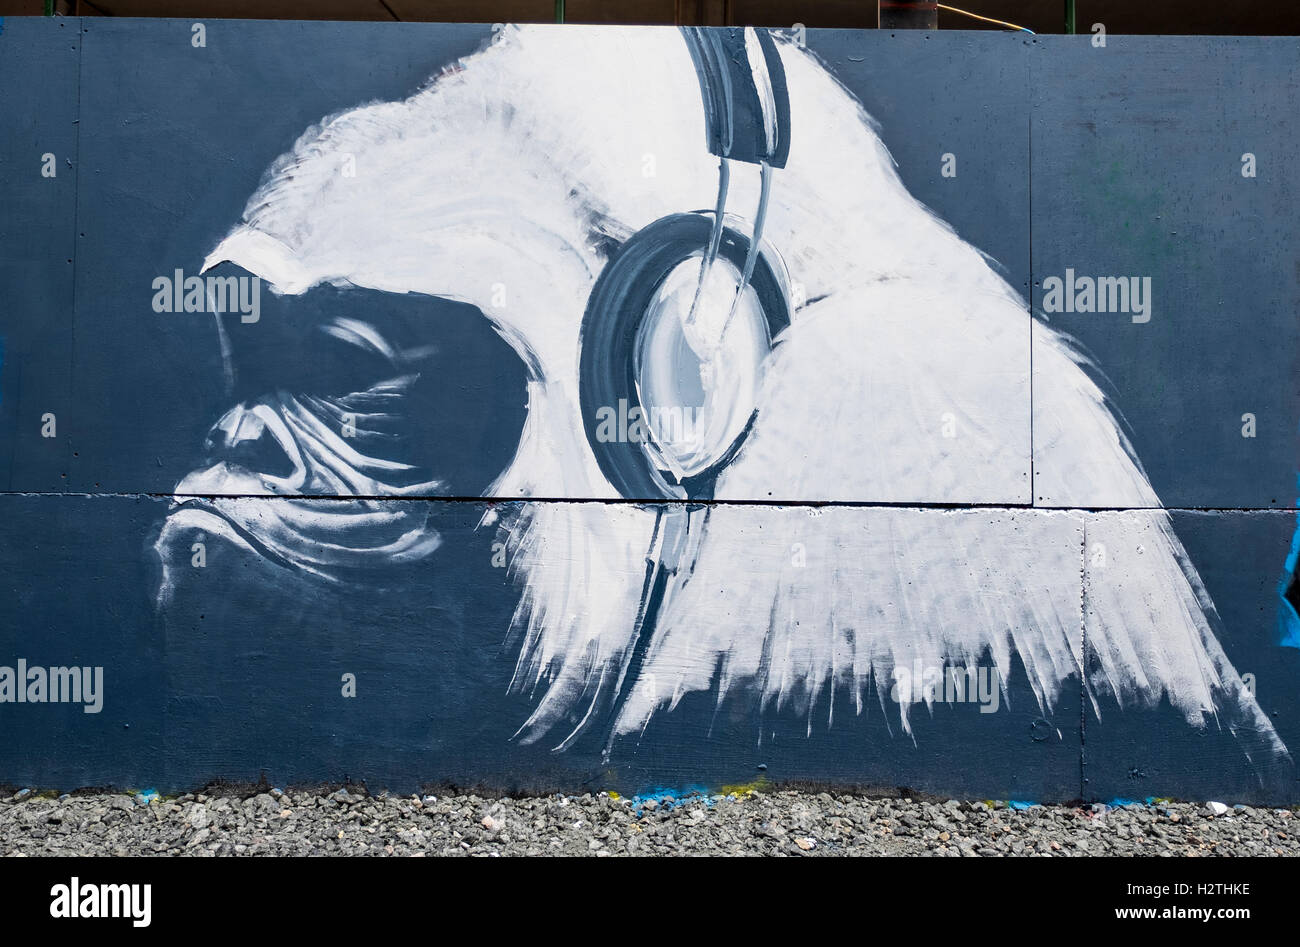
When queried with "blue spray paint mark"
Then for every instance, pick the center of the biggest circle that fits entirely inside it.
(1117, 802)
(670, 798)
(1288, 619)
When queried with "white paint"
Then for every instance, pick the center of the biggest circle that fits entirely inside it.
(1151, 625)
(491, 176)
(498, 173)
(880, 588)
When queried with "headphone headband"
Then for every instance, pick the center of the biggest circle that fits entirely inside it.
(746, 102)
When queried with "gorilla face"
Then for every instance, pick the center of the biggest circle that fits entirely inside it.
(493, 187)
(351, 392)
(343, 392)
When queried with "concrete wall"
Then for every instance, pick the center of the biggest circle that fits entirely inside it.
(1115, 557)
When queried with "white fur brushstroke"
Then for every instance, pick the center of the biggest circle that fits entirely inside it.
(492, 185)
(804, 603)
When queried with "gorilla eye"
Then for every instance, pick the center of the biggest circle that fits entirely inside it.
(429, 382)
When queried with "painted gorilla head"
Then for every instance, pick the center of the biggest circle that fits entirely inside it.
(507, 184)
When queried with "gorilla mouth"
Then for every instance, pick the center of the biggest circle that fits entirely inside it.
(340, 542)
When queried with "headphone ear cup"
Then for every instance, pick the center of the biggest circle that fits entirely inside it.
(620, 302)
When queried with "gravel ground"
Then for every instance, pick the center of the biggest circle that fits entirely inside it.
(350, 822)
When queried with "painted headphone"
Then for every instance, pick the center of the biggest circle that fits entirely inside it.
(681, 318)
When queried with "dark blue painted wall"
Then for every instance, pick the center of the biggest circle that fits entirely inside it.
(1117, 160)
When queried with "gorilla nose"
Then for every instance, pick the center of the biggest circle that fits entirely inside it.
(252, 437)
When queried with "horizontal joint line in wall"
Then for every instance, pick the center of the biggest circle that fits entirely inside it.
(620, 501)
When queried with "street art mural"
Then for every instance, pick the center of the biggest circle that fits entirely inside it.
(610, 407)
(808, 329)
